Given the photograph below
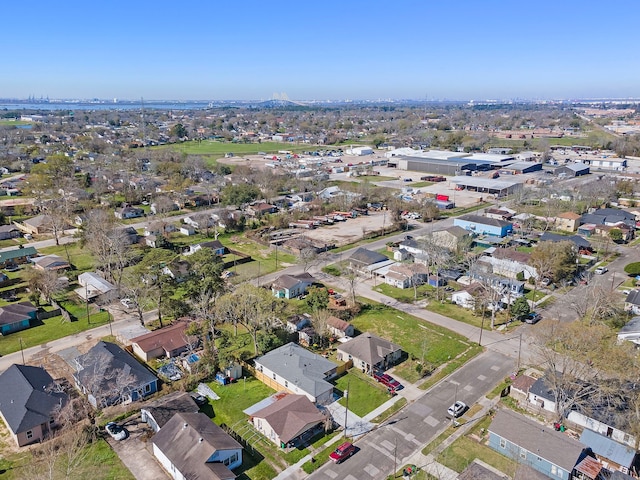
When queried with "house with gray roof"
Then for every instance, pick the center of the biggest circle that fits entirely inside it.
(50, 263)
(632, 302)
(95, 288)
(541, 395)
(363, 258)
(158, 412)
(109, 375)
(191, 446)
(577, 240)
(369, 352)
(29, 401)
(289, 420)
(292, 286)
(537, 445)
(16, 316)
(631, 331)
(614, 455)
(297, 370)
(483, 225)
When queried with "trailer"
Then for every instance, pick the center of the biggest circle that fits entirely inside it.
(302, 224)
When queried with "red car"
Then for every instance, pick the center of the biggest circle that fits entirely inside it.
(343, 452)
(387, 381)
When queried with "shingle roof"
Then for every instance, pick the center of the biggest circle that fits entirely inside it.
(168, 338)
(633, 297)
(188, 440)
(367, 257)
(290, 416)
(290, 281)
(299, 367)
(338, 323)
(537, 438)
(17, 253)
(164, 408)
(109, 357)
(16, 312)
(542, 390)
(369, 347)
(26, 400)
(556, 237)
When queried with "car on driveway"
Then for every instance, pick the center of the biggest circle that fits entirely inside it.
(457, 409)
(387, 380)
(127, 303)
(343, 452)
(532, 318)
(601, 270)
(199, 399)
(116, 431)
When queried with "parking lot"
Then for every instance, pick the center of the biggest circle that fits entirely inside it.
(350, 230)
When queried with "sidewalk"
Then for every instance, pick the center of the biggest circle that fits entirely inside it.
(428, 462)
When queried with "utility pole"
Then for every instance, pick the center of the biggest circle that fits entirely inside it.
(519, 352)
(22, 350)
(86, 297)
(481, 329)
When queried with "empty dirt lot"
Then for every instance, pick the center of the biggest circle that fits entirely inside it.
(351, 230)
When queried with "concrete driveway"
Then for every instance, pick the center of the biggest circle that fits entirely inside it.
(136, 451)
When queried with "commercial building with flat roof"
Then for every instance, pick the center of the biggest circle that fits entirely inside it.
(488, 185)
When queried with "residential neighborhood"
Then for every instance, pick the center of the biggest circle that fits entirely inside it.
(287, 305)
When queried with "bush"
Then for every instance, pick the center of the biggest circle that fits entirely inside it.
(632, 269)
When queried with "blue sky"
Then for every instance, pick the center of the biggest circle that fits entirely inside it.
(349, 49)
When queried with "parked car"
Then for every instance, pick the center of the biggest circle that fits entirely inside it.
(387, 380)
(127, 303)
(545, 282)
(343, 452)
(626, 291)
(532, 318)
(12, 267)
(457, 409)
(408, 179)
(116, 431)
(601, 270)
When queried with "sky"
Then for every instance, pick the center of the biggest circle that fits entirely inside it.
(320, 50)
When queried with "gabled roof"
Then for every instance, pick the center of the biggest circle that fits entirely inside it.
(290, 416)
(289, 281)
(368, 347)
(456, 231)
(367, 257)
(50, 262)
(189, 440)
(556, 237)
(607, 448)
(16, 312)
(633, 297)
(26, 397)
(523, 383)
(542, 390)
(338, 323)
(164, 408)
(614, 212)
(494, 222)
(39, 221)
(299, 367)
(511, 254)
(17, 253)
(537, 438)
(569, 215)
(168, 338)
(109, 357)
(96, 282)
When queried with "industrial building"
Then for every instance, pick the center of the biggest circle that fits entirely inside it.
(521, 167)
(572, 170)
(499, 188)
(447, 163)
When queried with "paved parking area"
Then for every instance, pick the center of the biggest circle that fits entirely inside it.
(136, 451)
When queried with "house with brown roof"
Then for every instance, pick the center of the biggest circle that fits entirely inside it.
(190, 445)
(166, 342)
(37, 225)
(50, 263)
(451, 238)
(339, 328)
(520, 386)
(259, 209)
(402, 275)
(508, 262)
(568, 221)
(369, 352)
(289, 420)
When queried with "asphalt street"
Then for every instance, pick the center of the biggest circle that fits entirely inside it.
(420, 422)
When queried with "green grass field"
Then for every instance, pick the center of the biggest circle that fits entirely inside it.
(220, 148)
(365, 394)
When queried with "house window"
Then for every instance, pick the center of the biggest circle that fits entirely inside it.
(147, 388)
(286, 384)
(29, 434)
(274, 376)
(232, 459)
(523, 453)
(503, 443)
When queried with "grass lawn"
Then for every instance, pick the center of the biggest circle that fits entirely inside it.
(454, 212)
(214, 147)
(466, 315)
(418, 338)
(51, 329)
(466, 449)
(365, 394)
(374, 178)
(405, 295)
(99, 462)
(538, 295)
(420, 184)
(80, 257)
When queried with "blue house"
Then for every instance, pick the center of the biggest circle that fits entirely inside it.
(484, 225)
(108, 375)
(534, 444)
(16, 316)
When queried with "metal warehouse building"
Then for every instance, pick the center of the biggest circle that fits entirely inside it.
(499, 188)
(522, 167)
(454, 166)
